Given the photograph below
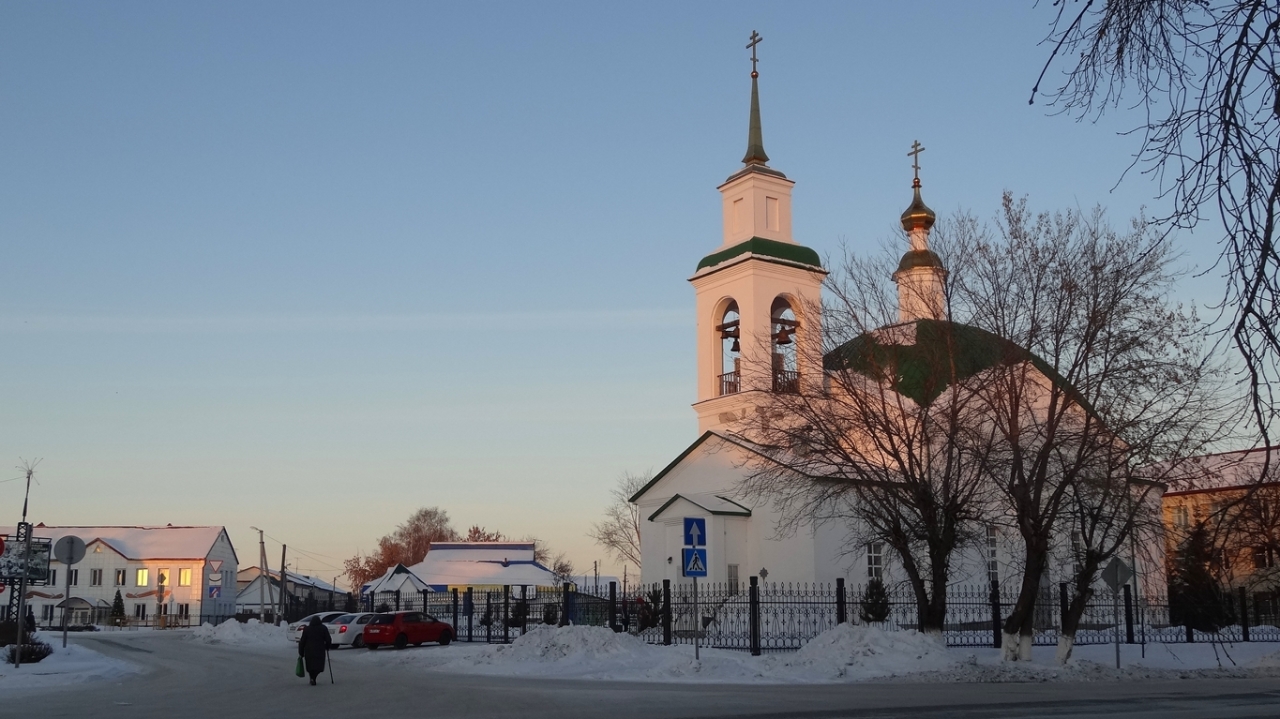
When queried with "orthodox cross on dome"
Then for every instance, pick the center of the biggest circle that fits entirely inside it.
(755, 40)
(916, 149)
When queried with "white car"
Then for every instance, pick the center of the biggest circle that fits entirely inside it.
(295, 629)
(348, 629)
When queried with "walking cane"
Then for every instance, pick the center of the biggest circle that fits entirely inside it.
(328, 661)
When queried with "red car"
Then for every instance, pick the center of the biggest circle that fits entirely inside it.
(400, 629)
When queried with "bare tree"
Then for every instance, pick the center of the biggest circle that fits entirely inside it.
(407, 545)
(890, 447)
(1206, 76)
(619, 531)
(1113, 379)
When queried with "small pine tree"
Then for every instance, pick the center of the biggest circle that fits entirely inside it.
(117, 609)
(874, 605)
(1196, 598)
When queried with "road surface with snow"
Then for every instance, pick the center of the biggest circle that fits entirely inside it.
(195, 677)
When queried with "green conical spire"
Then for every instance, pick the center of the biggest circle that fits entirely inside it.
(755, 138)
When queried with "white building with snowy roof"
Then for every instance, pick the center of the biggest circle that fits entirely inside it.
(184, 574)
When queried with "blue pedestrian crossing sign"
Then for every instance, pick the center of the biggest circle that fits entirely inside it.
(693, 562)
(695, 532)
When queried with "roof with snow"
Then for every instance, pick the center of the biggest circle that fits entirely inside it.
(439, 572)
(139, 543)
(299, 579)
(395, 579)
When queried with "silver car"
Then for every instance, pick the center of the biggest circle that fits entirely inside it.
(295, 629)
(348, 629)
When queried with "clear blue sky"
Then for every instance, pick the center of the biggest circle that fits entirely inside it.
(309, 266)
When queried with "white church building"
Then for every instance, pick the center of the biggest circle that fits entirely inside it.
(754, 299)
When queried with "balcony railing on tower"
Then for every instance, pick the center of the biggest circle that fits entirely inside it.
(729, 383)
(786, 381)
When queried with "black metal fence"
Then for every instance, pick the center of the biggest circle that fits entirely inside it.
(763, 617)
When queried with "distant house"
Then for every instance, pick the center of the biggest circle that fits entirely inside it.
(183, 574)
(305, 594)
(480, 566)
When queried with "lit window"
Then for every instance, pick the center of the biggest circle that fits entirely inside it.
(162, 578)
(1262, 558)
(875, 560)
(1181, 517)
(143, 579)
(184, 577)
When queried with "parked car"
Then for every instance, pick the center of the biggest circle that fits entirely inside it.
(400, 629)
(295, 630)
(348, 629)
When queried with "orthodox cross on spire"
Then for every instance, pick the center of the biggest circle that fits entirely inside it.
(916, 149)
(755, 137)
(755, 40)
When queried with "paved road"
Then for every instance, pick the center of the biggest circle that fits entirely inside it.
(188, 680)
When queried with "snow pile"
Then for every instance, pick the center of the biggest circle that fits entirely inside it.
(570, 645)
(854, 652)
(251, 633)
(73, 665)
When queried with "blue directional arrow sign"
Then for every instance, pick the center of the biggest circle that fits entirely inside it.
(695, 532)
(693, 562)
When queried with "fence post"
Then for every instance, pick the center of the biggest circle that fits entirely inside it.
(753, 595)
(842, 611)
(564, 611)
(488, 614)
(506, 613)
(471, 614)
(1244, 615)
(666, 612)
(995, 613)
(613, 606)
(455, 610)
(1191, 634)
(397, 600)
(1128, 615)
(424, 600)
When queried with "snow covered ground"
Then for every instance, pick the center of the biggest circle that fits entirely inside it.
(844, 654)
(73, 665)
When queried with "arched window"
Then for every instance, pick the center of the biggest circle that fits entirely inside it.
(730, 378)
(783, 326)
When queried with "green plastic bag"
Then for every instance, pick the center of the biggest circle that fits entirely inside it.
(298, 668)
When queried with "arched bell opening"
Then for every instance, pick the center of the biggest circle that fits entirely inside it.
(729, 376)
(783, 327)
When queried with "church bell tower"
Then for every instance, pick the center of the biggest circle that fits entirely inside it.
(758, 294)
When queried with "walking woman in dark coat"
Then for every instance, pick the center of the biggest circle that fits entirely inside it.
(311, 647)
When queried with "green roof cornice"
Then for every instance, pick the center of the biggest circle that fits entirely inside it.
(787, 251)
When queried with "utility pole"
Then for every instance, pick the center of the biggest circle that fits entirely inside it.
(263, 576)
(283, 583)
(24, 537)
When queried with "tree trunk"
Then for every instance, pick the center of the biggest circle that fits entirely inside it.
(1019, 628)
(1075, 609)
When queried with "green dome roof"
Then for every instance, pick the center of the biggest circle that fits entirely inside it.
(919, 258)
(922, 371)
(790, 252)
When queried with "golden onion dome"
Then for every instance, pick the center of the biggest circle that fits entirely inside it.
(918, 215)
